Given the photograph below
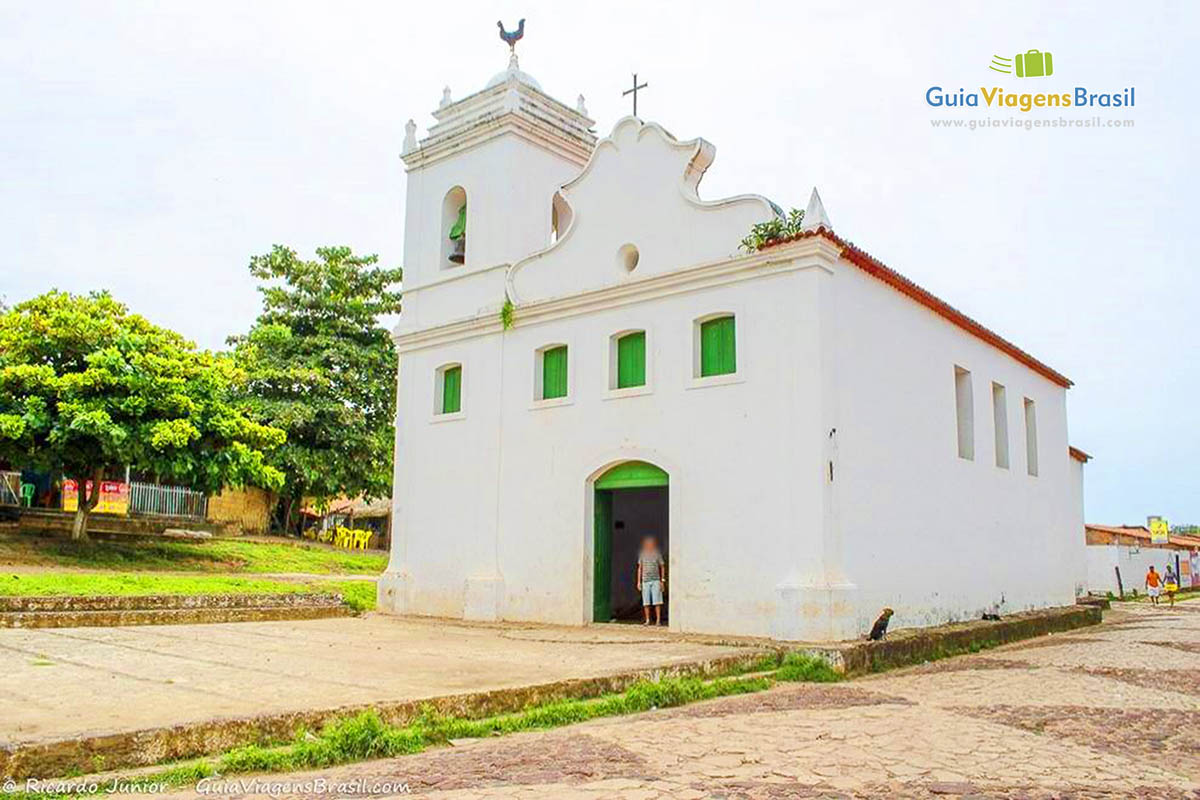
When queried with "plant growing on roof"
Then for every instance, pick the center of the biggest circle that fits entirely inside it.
(773, 230)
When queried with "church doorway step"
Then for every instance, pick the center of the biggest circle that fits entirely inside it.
(631, 503)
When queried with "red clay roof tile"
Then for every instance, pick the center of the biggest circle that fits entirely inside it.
(876, 268)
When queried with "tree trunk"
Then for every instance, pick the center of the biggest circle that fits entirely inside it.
(79, 524)
(287, 518)
(85, 503)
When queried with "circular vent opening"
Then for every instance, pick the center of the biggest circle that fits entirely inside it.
(627, 257)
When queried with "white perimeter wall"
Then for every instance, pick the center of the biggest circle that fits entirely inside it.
(1134, 564)
(932, 535)
(1080, 563)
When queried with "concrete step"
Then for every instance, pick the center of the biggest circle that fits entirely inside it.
(54, 521)
(157, 602)
(75, 612)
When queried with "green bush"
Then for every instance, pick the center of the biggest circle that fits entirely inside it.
(803, 667)
(188, 773)
(255, 758)
(778, 227)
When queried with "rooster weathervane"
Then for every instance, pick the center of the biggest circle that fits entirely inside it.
(512, 37)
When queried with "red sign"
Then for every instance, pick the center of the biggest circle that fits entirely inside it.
(114, 497)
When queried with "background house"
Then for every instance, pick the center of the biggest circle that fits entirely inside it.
(44, 501)
(1118, 557)
(374, 516)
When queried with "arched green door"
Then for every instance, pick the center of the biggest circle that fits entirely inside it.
(629, 475)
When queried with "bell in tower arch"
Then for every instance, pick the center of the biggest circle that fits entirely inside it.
(458, 237)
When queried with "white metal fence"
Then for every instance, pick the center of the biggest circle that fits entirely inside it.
(167, 501)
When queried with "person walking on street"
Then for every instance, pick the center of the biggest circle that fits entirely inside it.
(1153, 585)
(1170, 585)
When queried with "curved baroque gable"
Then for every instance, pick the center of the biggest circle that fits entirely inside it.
(638, 189)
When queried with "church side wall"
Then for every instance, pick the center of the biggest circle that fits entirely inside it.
(935, 536)
(741, 519)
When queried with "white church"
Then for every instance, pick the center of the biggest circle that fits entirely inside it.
(587, 358)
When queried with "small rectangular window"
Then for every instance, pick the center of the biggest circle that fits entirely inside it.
(452, 390)
(554, 372)
(1031, 448)
(1000, 424)
(718, 347)
(964, 406)
(631, 360)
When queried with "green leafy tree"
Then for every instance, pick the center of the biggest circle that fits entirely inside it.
(323, 369)
(86, 386)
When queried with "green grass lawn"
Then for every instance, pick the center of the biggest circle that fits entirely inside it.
(220, 566)
(216, 555)
(359, 595)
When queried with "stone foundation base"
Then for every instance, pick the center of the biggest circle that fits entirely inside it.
(392, 593)
(918, 645)
(106, 611)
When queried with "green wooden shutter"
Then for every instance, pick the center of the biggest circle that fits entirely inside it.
(452, 390)
(602, 558)
(554, 373)
(631, 360)
(718, 347)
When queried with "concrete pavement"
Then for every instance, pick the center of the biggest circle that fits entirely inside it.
(63, 683)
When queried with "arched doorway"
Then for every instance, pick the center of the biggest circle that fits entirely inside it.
(631, 503)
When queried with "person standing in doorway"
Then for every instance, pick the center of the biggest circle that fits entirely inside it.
(1170, 585)
(651, 579)
(1153, 584)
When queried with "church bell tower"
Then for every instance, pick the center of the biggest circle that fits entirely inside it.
(481, 184)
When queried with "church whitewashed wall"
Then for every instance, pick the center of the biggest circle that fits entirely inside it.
(494, 503)
(932, 535)
(732, 449)
(508, 217)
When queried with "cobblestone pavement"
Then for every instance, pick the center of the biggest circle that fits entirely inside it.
(1109, 712)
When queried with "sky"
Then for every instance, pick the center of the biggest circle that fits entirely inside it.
(152, 148)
